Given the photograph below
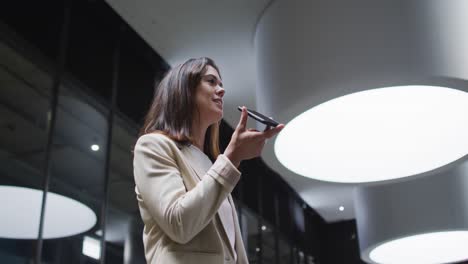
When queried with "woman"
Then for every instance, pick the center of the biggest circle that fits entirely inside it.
(184, 198)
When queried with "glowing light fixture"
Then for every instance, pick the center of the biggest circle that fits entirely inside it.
(341, 208)
(377, 135)
(438, 247)
(91, 247)
(63, 216)
(95, 147)
(422, 220)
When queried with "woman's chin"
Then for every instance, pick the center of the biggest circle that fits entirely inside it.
(220, 117)
(216, 118)
(219, 114)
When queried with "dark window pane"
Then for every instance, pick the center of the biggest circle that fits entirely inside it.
(124, 226)
(140, 68)
(93, 33)
(250, 234)
(38, 22)
(251, 172)
(268, 188)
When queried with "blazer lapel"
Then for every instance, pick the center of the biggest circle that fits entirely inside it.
(194, 162)
(223, 220)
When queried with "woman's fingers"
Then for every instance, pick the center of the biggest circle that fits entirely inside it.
(243, 120)
(248, 143)
(263, 135)
(273, 131)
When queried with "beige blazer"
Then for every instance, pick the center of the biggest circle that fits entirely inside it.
(179, 204)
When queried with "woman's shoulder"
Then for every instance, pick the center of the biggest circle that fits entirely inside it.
(156, 140)
(155, 136)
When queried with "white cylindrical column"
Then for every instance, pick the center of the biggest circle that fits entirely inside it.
(310, 52)
(397, 211)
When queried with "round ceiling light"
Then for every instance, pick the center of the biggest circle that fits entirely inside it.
(437, 247)
(421, 220)
(63, 216)
(377, 135)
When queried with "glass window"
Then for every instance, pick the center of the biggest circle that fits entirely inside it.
(124, 227)
(24, 107)
(38, 22)
(268, 243)
(268, 205)
(284, 251)
(250, 234)
(139, 69)
(285, 219)
(77, 175)
(250, 183)
(93, 33)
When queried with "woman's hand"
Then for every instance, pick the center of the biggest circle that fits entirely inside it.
(248, 143)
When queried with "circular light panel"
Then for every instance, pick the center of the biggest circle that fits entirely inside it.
(438, 247)
(63, 216)
(377, 135)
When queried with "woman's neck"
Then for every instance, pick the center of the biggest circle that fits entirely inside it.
(198, 134)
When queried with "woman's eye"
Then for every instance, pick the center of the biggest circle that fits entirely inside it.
(212, 81)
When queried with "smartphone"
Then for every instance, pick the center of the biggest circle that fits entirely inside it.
(260, 118)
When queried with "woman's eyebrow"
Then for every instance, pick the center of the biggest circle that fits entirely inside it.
(216, 78)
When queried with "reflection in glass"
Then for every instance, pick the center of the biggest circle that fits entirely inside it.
(24, 102)
(124, 227)
(250, 234)
(284, 251)
(24, 214)
(268, 243)
(77, 171)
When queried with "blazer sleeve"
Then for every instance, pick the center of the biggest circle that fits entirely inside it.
(181, 214)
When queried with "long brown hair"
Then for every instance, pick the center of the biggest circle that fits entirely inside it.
(173, 107)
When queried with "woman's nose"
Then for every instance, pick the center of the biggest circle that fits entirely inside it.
(220, 91)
